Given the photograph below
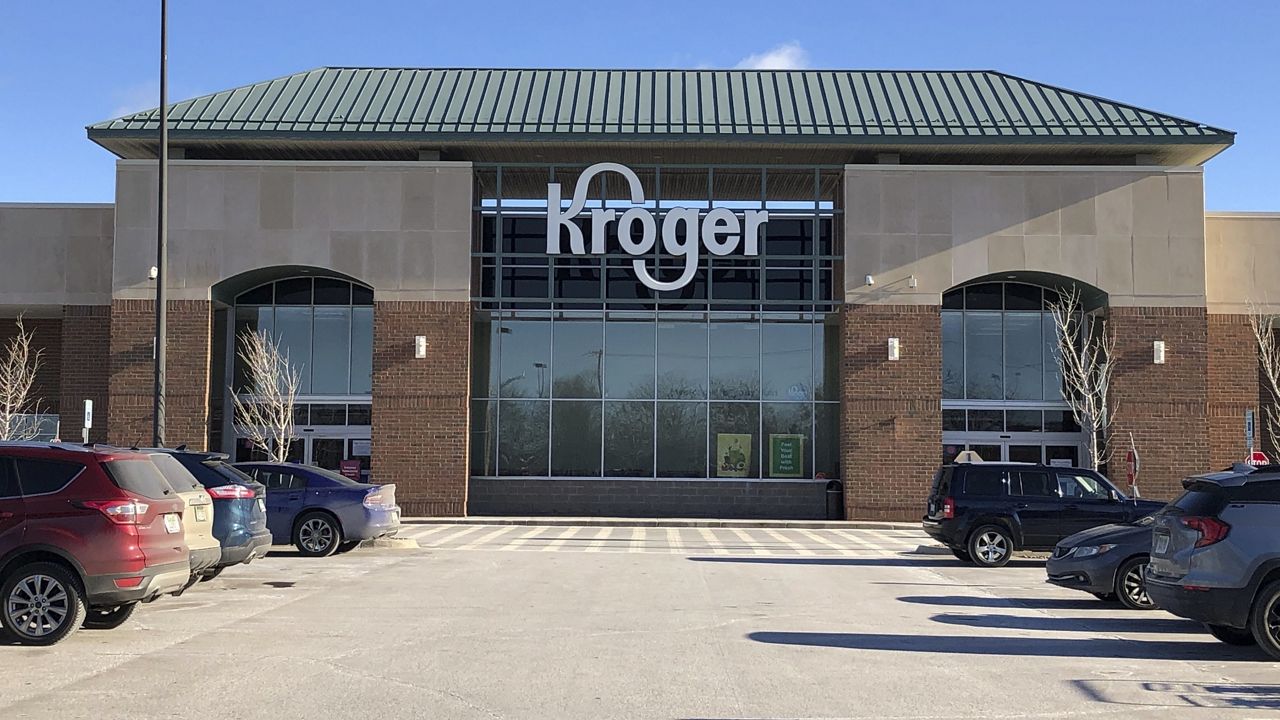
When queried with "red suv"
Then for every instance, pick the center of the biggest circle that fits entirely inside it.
(85, 535)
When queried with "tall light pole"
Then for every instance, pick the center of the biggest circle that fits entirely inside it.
(162, 250)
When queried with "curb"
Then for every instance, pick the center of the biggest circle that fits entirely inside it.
(662, 522)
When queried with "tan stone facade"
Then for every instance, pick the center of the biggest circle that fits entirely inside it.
(1138, 237)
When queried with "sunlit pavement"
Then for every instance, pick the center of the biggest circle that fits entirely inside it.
(542, 622)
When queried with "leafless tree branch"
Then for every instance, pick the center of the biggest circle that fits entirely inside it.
(1263, 328)
(264, 412)
(1086, 353)
(19, 412)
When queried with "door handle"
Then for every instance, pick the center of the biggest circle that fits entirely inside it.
(1022, 506)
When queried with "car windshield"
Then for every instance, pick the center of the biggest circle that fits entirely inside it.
(235, 475)
(179, 477)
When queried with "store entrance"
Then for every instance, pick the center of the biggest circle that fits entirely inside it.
(328, 449)
(1042, 448)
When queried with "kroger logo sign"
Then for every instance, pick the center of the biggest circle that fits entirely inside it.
(720, 230)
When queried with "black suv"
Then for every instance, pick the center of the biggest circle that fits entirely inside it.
(986, 511)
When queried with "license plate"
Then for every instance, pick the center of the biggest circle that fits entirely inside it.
(172, 524)
(202, 514)
(1161, 543)
(395, 518)
(262, 505)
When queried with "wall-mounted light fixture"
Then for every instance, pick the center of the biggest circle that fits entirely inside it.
(420, 346)
(894, 353)
(870, 281)
(1157, 352)
(911, 281)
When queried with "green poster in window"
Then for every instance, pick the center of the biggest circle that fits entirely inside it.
(733, 454)
(786, 456)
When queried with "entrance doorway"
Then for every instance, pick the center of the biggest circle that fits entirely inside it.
(1042, 448)
(328, 449)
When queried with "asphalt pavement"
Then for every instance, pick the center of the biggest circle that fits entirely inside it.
(746, 623)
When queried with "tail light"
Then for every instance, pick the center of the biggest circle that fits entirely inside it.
(1212, 530)
(231, 492)
(948, 508)
(121, 512)
(375, 500)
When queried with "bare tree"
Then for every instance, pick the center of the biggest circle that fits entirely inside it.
(264, 411)
(1086, 353)
(19, 412)
(1263, 326)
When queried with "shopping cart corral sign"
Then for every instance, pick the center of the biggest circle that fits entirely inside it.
(719, 230)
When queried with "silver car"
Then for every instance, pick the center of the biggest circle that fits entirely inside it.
(1215, 555)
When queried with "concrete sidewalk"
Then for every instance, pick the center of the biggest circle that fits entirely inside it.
(662, 522)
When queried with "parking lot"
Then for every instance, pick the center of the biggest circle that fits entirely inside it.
(590, 622)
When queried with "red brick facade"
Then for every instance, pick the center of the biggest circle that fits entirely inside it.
(132, 374)
(1232, 388)
(1164, 406)
(891, 414)
(420, 405)
(86, 343)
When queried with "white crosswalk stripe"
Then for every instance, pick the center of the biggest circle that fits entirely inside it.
(687, 541)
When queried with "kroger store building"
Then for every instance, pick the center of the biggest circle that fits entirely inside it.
(680, 293)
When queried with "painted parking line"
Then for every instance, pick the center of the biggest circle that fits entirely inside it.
(794, 546)
(637, 540)
(856, 538)
(560, 541)
(821, 540)
(524, 538)
(597, 543)
(447, 539)
(748, 543)
(487, 538)
(713, 542)
(428, 530)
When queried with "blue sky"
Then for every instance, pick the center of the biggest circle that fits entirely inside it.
(68, 63)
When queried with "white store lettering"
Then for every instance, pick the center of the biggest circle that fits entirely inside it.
(720, 231)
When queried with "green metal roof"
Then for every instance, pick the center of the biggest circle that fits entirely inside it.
(821, 106)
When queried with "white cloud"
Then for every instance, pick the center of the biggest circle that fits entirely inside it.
(787, 56)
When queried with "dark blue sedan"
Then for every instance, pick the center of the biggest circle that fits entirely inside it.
(322, 512)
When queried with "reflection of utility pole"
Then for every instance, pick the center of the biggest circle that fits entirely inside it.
(542, 367)
(599, 370)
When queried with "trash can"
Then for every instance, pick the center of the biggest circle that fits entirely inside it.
(835, 500)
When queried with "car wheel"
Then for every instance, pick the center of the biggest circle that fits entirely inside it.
(348, 545)
(317, 535)
(961, 554)
(1265, 619)
(1131, 585)
(213, 573)
(42, 604)
(1230, 635)
(990, 546)
(109, 618)
(1105, 597)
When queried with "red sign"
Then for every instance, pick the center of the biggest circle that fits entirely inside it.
(350, 468)
(1258, 458)
(1131, 465)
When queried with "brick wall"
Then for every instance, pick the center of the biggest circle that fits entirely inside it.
(86, 341)
(891, 416)
(187, 376)
(1163, 406)
(648, 498)
(46, 337)
(420, 405)
(1232, 387)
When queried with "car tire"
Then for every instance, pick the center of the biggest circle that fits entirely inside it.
(961, 554)
(109, 619)
(212, 573)
(317, 535)
(347, 546)
(990, 546)
(1131, 585)
(1264, 621)
(1230, 635)
(57, 613)
(1105, 597)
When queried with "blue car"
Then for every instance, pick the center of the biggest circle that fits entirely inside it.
(322, 512)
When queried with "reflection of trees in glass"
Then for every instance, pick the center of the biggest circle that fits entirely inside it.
(682, 439)
(675, 385)
(628, 442)
(522, 442)
(575, 438)
(741, 386)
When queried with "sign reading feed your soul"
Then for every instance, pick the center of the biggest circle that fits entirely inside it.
(720, 230)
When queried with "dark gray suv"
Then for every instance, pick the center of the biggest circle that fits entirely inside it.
(1215, 555)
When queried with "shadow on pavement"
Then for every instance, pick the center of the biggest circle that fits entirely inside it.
(836, 561)
(1017, 646)
(1134, 623)
(1004, 603)
(1181, 694)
